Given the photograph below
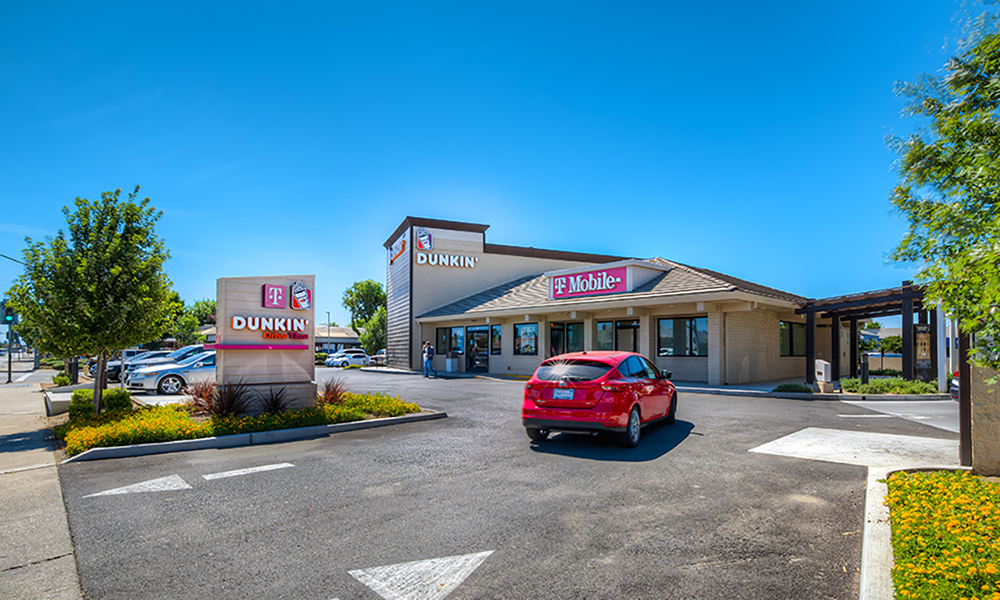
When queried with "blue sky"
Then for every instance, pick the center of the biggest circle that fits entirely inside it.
(742, 137)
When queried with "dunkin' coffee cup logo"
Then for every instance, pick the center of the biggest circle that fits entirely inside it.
(424, 240)
(301, 296)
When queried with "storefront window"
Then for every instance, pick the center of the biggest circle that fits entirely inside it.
(574, 337)
(793, 339)
(526, 339)
(605, 335)
(495, 339)
(450, 339)
(683, 337)
(441, 346)
(457, 340)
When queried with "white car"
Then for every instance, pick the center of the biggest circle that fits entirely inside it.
(351, 356)
(172, 378)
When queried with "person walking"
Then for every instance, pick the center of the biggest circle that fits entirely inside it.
(429, 360)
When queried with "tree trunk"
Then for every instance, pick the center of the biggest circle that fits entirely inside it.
(99, 379)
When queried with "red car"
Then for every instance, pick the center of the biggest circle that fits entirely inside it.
(588, 392)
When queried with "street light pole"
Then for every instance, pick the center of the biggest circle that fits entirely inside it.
(328, 325)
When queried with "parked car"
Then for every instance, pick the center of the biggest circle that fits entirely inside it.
(953, 388)
(171, 378)
(169, 358)
(350, 356)
(379, 358)
(113, 367)
(588, 392)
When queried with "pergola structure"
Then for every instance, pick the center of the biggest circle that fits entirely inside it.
(903, 300)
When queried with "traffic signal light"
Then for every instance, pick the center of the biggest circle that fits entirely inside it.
(7, 315)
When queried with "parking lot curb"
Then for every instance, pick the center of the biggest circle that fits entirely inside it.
(793, 396)
(248, 439)
(876, 546)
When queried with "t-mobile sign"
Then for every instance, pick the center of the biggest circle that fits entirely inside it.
(590, 283)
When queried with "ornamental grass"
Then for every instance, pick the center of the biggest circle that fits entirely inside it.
(174, 422)
(944, 535)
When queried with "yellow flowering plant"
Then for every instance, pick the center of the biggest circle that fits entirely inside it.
(174, 422)
(944, 541)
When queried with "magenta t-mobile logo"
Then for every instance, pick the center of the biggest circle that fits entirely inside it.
(274, 296)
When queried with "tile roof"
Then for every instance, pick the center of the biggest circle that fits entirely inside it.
(532, 291)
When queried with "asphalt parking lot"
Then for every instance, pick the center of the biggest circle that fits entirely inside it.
(690, 513)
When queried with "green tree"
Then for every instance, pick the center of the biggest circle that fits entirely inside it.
(185, 329)
(374, 332)
(874, 325)
(204, 311)
(892, 344)
(100, 287)
(950, 186)
(867, 345)
(363, 299)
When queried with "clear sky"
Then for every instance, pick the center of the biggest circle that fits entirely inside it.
(743, 137)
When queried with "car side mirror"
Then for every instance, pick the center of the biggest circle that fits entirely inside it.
(199, 365)
(667, 374)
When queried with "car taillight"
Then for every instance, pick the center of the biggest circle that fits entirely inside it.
(611, 387)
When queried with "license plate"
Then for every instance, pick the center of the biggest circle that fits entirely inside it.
(562, 394)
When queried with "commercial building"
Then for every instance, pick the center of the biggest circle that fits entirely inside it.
(502, 309)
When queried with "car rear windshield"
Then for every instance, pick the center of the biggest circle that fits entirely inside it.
(572, 370)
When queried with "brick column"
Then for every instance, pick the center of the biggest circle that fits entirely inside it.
(716, 348)
(646, 337)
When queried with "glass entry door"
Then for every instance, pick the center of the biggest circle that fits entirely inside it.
(557, 339)
(627, 336)
(565, 337)
(477, 355)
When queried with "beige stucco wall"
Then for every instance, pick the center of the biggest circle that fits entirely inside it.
(790, 367)
(889, 362)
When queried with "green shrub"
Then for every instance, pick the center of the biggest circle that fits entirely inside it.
(61, 379)
(794, 388)
(320, 357)
(81, 404)
(886, 372)
(56, 363)
(116, 399)
(892, 385)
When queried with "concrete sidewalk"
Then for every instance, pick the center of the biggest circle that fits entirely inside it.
(36, 552)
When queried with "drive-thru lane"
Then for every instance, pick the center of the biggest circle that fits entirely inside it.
(690, 513)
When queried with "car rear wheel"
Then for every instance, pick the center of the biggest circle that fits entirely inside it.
(673, 410)
(633, 431)
(537, 435)
(171, 384)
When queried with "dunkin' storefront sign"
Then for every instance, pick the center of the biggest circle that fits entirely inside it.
(265, 336)
(589, 283)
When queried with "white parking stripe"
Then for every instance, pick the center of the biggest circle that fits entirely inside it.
(248, 471)
(23, 377)
(867, 416)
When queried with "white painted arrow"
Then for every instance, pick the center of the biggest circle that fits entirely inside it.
(171, 482)
(422, 579)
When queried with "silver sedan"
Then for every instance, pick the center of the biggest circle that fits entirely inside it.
(172, 378)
